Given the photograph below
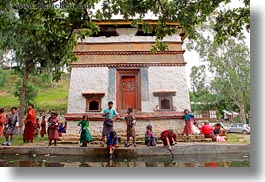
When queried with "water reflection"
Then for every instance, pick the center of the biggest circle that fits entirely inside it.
(232, 160)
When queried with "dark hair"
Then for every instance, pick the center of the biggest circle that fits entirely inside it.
(149, 127)
(186, 110)
(112, 134)
(15, 108)
(218, 124)
(2, 110)
(85, 116)
(31, 105)
(110, 102)
(54, 113)
(130, 109)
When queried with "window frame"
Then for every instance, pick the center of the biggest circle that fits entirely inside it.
(90, 97)
(165, 95)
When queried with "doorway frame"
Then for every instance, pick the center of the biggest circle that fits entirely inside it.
(128, 72)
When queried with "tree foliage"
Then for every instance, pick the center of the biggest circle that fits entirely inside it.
(3, 77)
(31, 93)
(229, 65)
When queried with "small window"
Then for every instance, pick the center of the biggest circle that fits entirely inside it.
(198, 114)
(165, 103)
(94, 106)
(234, 125)
(165, 99)
(93, 101)
(212, 114)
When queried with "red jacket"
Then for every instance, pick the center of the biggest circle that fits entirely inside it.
(31, 116)
(165, 134)
(206, 129)
(2, 119)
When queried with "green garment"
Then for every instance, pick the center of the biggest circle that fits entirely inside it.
(85, 135)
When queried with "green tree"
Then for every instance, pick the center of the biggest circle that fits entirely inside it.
(229, 65)
(31, 93)
(3, 77)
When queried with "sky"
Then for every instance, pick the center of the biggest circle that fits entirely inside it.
(192, 58)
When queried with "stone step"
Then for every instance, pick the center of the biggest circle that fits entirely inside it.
(74, 139)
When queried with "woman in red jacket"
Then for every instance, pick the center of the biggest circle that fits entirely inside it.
(207, 131)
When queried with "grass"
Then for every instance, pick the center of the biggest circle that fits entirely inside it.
(18, 140)
(50, 97)
(235, 138)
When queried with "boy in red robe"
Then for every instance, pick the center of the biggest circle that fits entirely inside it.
(43, 127)
(29, 122)
(2, 121)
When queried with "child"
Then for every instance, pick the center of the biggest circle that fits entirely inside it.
(2, 121)
(107, 127)
(36, 128)
(61, 129)
(11, 127)
(110, 115)
(130, 121)
(169, 137)
(43, 127)
(189, 119)
(112, 140)
(53, 128)
(150, 140)
(85, 136)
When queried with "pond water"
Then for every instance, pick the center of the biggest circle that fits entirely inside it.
(224, 160)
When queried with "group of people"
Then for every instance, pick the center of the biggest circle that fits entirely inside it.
(168, 137)
(33, 127)
(9, 127)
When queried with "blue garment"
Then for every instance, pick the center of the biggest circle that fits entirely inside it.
(188, 117)
(111, 142)
(216, 131)
(112, 112)
(61, 128)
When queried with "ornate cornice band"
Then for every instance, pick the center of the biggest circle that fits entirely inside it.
(118, 65)
(126, 53)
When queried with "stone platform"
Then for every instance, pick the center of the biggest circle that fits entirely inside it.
(141, 150)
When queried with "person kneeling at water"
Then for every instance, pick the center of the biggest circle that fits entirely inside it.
(169, 137)
(112, 141)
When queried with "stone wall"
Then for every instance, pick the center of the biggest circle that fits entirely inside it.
(86, 80)
(153, 79)
(95, 127)
(168, 79)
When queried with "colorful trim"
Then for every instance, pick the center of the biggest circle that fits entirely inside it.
(124, 65)
(127, 53)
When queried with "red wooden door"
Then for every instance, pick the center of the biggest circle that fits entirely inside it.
(128, 85)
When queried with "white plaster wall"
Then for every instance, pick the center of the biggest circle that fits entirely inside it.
(86, 80)
(168, 79)
(129, 38)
